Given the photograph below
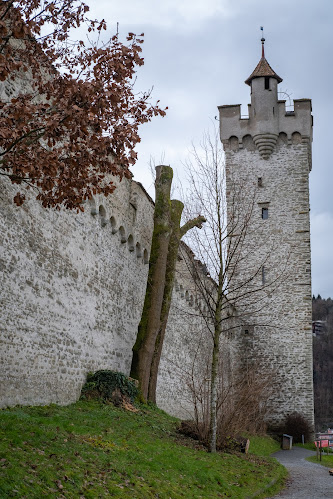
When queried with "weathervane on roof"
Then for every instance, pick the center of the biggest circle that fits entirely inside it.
(262, 42)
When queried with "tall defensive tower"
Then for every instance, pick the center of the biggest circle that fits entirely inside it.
(268, 156)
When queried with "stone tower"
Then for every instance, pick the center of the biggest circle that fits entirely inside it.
(268, 160)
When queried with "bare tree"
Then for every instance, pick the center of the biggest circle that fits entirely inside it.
(241, 402)
(221, 247)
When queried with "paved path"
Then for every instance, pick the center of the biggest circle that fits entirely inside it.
(306, 480)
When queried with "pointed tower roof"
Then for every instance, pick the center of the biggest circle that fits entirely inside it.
(263, 68)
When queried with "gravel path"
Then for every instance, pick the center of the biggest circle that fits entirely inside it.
(306, 480)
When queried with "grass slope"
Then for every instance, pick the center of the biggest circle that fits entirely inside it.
(93, 450)
(325, 460)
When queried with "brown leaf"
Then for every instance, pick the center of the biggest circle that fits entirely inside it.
(59, 484)
(19, 199)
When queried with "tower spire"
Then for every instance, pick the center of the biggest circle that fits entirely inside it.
(262, 43)
(263, 69)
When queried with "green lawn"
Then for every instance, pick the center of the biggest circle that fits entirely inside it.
(93, 450)
(325, 460)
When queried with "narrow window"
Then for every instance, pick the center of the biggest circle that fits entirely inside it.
(263, 278)
(266, 82)
(259, 181)
(264, 213)
(247, 329)
(273, 111)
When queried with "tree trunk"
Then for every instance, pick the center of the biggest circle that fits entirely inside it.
(176, 213)
(162, 263)
(149, 326)
(176, 236)
(213, 392)
(215, 364)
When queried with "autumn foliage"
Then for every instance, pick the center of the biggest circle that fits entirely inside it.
(69, 115)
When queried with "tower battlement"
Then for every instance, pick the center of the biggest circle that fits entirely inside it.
(289, 127)
(299, 120)
(268, 119)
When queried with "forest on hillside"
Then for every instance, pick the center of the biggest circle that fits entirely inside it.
(322, 310)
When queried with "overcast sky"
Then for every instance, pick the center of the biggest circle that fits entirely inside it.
(198, 54)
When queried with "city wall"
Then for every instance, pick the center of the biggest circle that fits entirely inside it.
(71, 296)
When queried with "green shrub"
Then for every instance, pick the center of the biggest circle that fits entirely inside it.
(296, 425)
(103, 384)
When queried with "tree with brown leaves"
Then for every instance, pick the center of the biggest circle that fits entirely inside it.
(69, 117)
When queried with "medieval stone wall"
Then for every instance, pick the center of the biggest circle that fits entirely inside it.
(71, 296)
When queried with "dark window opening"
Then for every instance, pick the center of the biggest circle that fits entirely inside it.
(259, 181)
(264, 213)
(266, 82)
(247, 329)
(263, 277)
(273, 111)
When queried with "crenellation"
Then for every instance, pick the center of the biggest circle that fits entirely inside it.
(269, 124)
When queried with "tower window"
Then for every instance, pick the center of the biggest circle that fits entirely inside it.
(266, 82)
(248, 329)
(259, 181)
(264, 213)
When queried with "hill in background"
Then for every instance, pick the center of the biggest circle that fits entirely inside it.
(322, 311)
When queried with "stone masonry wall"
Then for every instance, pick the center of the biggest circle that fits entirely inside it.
(71, 296)
(187, 349)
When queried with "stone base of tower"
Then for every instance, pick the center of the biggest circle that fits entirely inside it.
(272, 353)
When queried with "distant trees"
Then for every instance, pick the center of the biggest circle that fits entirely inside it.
(322, 309)
(69, 115)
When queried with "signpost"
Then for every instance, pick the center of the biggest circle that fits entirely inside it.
(324, 440)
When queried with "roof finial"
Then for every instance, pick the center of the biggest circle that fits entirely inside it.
(262, 43)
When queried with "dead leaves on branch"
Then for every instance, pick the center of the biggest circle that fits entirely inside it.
(66, 133)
